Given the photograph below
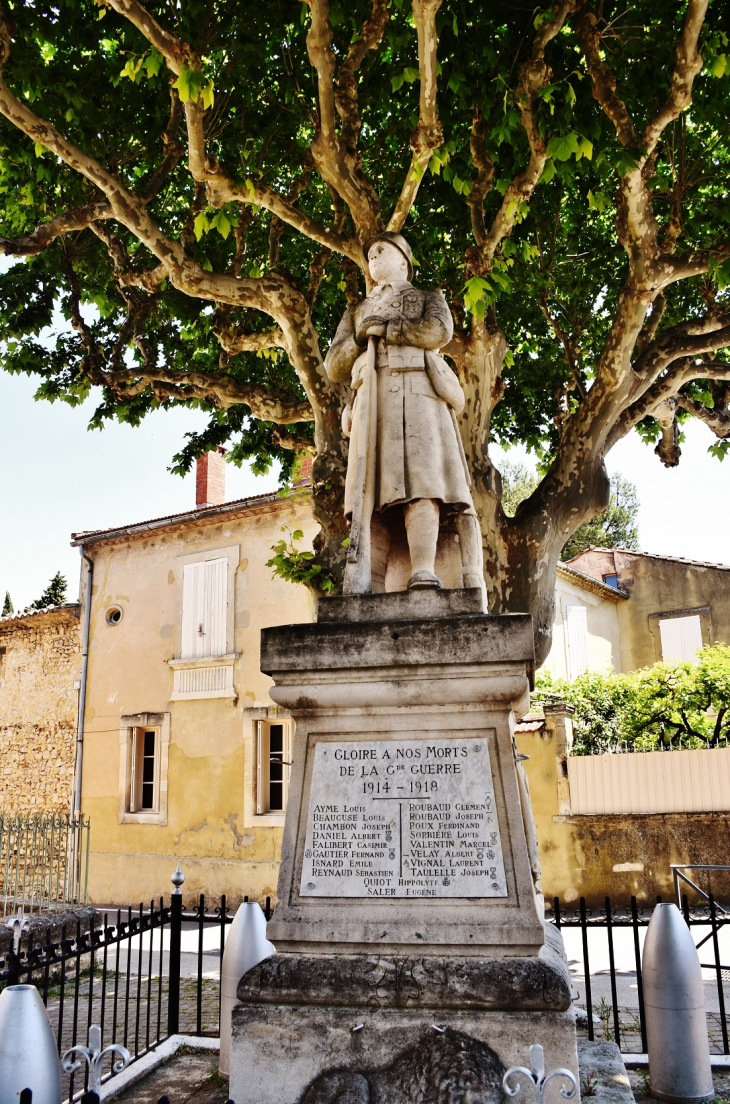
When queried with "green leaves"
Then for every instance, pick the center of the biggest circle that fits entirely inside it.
(598, 202)
(667, 705)
(298, 565)
(192, 84)
(409, 75)
(151, 63)
(478, 295)
(223, 221)
(625, 160)
(563, 147)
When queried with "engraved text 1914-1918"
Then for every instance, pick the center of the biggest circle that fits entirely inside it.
(403, 818)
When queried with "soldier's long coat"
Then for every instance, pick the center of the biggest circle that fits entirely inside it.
(419, 451)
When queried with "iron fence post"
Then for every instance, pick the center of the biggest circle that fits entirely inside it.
(173, 993)
(13, 968)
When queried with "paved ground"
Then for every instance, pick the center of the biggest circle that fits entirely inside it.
(188, 1078)
(639, 1081)
(192, 1078)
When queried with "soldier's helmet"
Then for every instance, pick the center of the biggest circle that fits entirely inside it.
(398, 241)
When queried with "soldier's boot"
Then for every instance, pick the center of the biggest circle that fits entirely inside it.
(422, 528)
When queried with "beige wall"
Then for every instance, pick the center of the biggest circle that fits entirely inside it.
(211, 827)
(40, 661)
(604, 651)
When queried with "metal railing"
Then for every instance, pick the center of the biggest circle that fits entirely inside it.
(621, 1006)
(44, 861)
(140, 974)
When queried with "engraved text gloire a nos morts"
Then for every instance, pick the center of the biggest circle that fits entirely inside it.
(403, 818)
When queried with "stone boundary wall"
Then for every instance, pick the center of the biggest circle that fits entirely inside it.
(40, 663)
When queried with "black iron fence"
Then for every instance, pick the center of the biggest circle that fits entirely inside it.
(604, 951)
(142, 975)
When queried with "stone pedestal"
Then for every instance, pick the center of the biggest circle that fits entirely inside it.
(408, 927)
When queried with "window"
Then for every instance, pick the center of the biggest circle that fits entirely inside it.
(274, 766)
(611, 580)
(143, 773)
(144, 740)
(576, 640)
(204, 609)
(680, 637)
(204, 648)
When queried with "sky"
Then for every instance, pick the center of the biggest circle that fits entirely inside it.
(58, 477)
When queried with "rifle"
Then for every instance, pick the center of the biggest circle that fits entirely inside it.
(357, 578)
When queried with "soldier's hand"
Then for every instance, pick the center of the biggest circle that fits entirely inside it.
(371, 327)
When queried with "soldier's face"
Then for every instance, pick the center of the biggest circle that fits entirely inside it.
(386, 263)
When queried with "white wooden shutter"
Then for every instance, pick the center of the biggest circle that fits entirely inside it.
(134, 740)
(204, 612)
(681, 637)
(576, 640)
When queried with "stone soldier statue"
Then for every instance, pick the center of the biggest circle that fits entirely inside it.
(406, 456)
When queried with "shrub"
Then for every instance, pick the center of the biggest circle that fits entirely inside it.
(669, 705)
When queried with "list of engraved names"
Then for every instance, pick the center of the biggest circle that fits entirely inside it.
(403, 818)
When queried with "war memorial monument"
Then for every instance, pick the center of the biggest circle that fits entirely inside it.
(412, 959)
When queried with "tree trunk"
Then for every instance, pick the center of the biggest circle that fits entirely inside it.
(521, 554)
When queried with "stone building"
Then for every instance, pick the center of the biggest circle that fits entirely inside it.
(620, 610)
(40, 663)
(672, 607)
(185, 757)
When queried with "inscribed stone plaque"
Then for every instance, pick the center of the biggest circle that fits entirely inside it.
(402, 818)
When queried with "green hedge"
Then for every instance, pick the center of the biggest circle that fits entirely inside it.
(669, 705)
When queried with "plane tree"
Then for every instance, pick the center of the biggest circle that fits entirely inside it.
(191, 184)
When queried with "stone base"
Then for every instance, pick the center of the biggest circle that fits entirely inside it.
(603, 1074)
(361, 1029)
(284, 1054)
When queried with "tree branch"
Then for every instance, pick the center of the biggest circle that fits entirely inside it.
(70, 220)
(337, 158)
(224, 190)
(672, 268)
(294, 442)
(688, 63)
(603, 79)
(687, 339)
(482, 185)
(236, 340)
(664, 389)
(429, 133)
(346, 98)
(299, 185)
(125, 274)
(535, 75)
(568, 344)
(173, 150)
(717, 419)
(223, 390)
(176, 52)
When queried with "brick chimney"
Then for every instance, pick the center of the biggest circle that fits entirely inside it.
(210, 479)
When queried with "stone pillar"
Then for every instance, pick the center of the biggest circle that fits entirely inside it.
(409, 934)
(559, 726)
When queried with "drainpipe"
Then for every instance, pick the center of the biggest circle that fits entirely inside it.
(76, 809)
